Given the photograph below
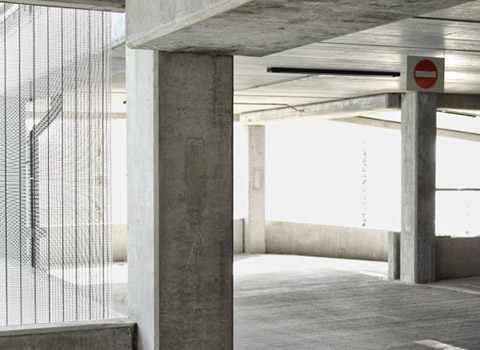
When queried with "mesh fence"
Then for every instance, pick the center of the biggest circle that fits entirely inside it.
(55, 232)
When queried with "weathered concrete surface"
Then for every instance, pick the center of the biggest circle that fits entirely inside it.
(459, 103)
(180, 197)
(457, 257)
(238, 236)
(311, 306)
(115, 334)
(327, 110)
(394, 255)
(326, 241)
(100, 5)
(143, 194)
(254, 227)
(419, 130)
(259, 27)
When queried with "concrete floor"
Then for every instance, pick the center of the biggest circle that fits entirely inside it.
(292, 302)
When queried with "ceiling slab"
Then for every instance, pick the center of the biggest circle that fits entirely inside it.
(464, 12)
(450, 33)
(259, 27)
(422, 33)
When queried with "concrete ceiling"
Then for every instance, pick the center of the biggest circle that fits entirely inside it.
(452, 33)
(259, 27)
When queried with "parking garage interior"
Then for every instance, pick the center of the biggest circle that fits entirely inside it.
(354, 200)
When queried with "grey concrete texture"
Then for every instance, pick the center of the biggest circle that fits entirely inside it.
(419, 131)
(259, 27)
(238, 225)
(196, 206)
(311, 307)
(345, 108)
(466, 284)
(115, 334)
(98, 5)
(254, 224)
(142, 192)
(394, 255)
(180, 199)
(326, 241)
(457, 257)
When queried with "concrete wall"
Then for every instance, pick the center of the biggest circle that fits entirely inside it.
(326, 241)
(457, 257)
(116, 334)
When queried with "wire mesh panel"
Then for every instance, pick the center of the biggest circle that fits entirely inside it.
(55, 232)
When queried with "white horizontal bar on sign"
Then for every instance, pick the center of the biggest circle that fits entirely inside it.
(425, 74)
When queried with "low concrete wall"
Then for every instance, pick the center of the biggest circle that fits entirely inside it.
(116, 334)
(457, 257)
(326, 241)
(238, 236)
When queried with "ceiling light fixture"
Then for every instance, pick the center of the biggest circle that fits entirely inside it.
(314, 71)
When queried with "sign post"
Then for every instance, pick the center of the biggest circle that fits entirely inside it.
(425, 74)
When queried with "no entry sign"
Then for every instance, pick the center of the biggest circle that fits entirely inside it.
(425, 74)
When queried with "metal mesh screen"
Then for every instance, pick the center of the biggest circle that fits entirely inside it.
(55, 232)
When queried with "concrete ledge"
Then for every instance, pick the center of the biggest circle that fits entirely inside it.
(114, 334)
(326, 241)
(457, 257)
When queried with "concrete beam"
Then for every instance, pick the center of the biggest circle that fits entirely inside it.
(460, 102)
(259, 27)
(327, 110)
(99, 5)
(419, 130)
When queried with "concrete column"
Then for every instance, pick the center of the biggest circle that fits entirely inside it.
(393, 256)
(419, 130)
(180, 199)
(254, 229)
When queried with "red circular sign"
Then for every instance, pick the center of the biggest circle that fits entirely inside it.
(425, 74)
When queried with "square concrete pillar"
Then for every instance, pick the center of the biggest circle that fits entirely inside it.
(254, 225)
(180, 199)
(419, 130)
